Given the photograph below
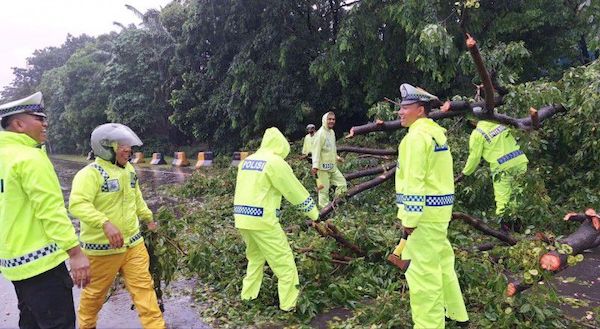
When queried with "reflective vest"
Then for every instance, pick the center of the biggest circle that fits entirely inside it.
(35, 231)
(424, 176)
(496, 145)
(262, 180)
(103, 191)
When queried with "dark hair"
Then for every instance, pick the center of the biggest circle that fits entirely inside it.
(5, 121)
(426, 106)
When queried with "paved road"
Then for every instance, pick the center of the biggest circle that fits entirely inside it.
(116, 313)
(180, 311)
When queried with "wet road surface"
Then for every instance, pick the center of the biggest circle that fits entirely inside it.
(180, 311)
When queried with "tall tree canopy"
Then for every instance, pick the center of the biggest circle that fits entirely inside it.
(204, 71)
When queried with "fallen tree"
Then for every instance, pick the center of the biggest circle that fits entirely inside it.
(481, 226)
(371, 171)
(586, 237)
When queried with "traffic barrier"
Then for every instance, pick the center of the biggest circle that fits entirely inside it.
(180, 160)
(238, 157)
(158, 159)
(138, 157)
(205, 159)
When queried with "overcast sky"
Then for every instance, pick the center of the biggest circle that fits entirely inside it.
(27, 25)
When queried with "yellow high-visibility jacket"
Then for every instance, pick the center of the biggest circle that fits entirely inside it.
(324, 150)
(102, 192)
(496, 145)
(262, 179)
(424, 177)
(35, 231)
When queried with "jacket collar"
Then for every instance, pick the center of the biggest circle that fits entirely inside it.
(9, 137)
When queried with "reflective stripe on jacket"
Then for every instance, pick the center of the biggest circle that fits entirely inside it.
(35, 231)
(496, 145)
(424, 177)
(103, 191)
(262, 179)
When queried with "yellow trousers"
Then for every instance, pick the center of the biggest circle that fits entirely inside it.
(434, 288)
(133, 265)
(505, 185)
(326, 179)
(273, 247)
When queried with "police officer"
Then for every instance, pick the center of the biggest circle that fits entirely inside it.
(107, 199)
(495, 143)
(308, 141)
(324, 160)
(425, 195)
(262, 179)
(36, 235)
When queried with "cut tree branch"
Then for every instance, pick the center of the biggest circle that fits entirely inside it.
(364, 150)
(329, 230)
(370, 171)
(484, 228)
(355, 190)
(461, 108)
(483, 74)
(586, 237)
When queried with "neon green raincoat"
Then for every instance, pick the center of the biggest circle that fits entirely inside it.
(324, 157)
(262, 179)
(308, 144)
(103, 191)
(425, 195)
(498, 147)
(35, 231)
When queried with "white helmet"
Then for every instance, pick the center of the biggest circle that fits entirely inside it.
(106, 137)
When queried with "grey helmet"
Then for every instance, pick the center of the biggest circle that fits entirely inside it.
(106, 137)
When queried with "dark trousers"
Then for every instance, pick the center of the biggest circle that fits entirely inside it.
(46, 300)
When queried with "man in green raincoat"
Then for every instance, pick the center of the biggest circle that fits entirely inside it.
(425, 195)
(324, 161)
(263, 179)
(498, 147)
(36, 235)
(308, 141)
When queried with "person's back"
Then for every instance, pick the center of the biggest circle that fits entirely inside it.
(497, 145)
(262, 180)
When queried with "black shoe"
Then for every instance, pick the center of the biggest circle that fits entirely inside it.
(460, 324)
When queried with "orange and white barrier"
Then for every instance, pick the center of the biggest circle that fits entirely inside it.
(158, 159)
(180, 160)
(205, 159)
(238, 157)
(138, 157)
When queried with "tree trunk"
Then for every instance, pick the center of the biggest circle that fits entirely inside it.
(364, 150)
(355, 190)
(484, 228)
(460, 108)
(586, 237)
(370, 171)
